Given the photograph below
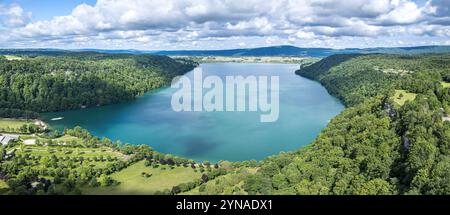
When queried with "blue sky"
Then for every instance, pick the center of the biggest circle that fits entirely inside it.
(220, 24)
(47, 9)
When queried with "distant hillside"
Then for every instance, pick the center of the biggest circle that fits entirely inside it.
(263, 51)
(376, 146)
(54, 81)
(355, 77)
(306, 52)
(403, 50)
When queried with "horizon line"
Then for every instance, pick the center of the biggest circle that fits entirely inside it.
(243, 48)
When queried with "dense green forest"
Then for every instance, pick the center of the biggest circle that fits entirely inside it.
(375, 146)
(354, 78)
(42, 83)
(393, 137)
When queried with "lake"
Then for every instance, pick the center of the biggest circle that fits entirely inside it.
(305, 107)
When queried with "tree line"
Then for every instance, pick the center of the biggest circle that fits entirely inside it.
(70, 81)
(373, 147)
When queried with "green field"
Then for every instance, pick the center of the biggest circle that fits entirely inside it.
(98, 157)
(132, 182)
(402, 96)
(229, 184)
(66, 139)
(12, 57)
(12, 123)
(217, 185)
(445, 84)
(67, 151)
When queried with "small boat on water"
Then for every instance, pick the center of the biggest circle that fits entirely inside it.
(57, 118)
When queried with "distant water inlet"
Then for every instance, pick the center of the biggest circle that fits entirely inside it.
(239, 94)
(191, 119)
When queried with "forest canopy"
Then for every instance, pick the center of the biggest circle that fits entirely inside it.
(374, 146)
(42, 83)
(393, 137)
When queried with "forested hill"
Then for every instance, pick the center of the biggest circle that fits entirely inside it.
(355, 77)
(284, 50)
(394, 137)
(392, 140)
(73, 80)
(287, 50)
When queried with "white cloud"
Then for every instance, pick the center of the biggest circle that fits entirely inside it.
(304, 35)
(405, 12)
(13, 15)
(174, 23)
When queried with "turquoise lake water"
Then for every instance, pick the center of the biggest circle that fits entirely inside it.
(305, 108)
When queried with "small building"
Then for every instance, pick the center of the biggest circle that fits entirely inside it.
(7, 138)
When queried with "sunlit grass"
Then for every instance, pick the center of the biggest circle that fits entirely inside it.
(402, 96)
(445, 84)
(12, 123)
(12, 57)
(132, 181)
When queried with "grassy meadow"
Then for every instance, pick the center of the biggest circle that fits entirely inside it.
(12, 57)
(402, 96)
(132, 182)
(13, 123)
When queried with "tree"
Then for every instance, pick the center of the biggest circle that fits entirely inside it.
(93, 182)
(205, 178)
(147, 163)
(257, 184)
(176, 190)
(376, 187)
(279, 181)
(105, 180)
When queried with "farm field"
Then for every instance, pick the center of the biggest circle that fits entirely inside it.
(71, 151)
(12, 57)
(12, 123)
(132, 182)
(229, 184)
